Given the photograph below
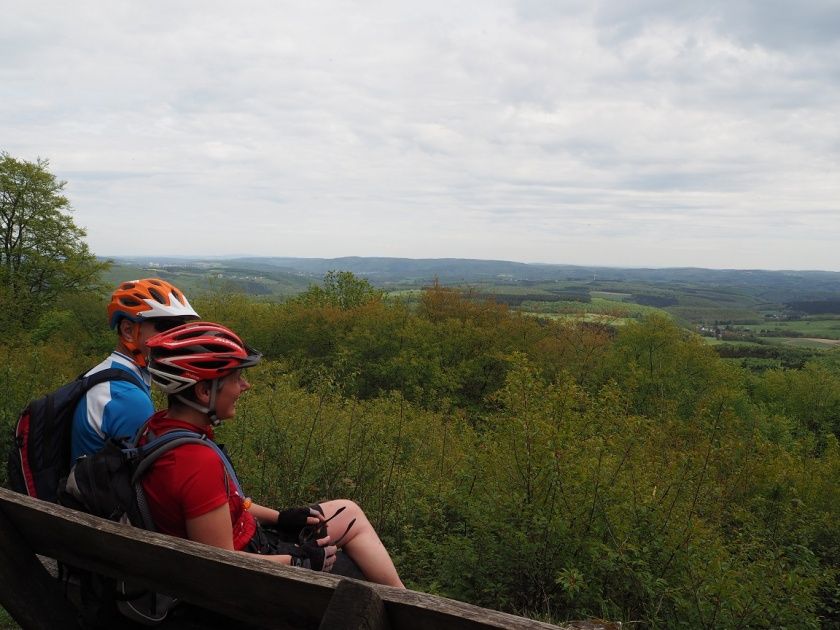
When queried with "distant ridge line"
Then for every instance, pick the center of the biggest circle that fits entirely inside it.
(372, 261)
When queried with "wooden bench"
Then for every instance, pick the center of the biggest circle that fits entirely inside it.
(240, 587)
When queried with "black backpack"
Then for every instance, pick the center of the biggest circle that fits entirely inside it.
(40, 454)
(108, 484)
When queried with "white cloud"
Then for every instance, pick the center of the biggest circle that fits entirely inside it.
(635, 133)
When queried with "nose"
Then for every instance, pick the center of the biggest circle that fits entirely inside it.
(244, 385)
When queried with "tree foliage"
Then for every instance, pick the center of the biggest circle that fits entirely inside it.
(558, 468)
(553, 468)
(341, 289)
(42, 251)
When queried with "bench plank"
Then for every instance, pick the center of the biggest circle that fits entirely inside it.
(354, 606)
(29, 593)
(237, 585)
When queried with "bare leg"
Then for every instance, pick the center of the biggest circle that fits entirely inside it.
(361, 543)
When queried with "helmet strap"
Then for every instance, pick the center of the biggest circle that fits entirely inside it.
(210, 409)
(129, 342)
(215, 386)
(136, 353)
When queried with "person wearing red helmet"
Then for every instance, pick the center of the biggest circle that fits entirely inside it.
(138, 310)
(190, 494)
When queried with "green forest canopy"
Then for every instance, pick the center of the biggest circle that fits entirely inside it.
(557, 469)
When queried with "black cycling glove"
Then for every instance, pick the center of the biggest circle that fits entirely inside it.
(294, 519)
(311, 556)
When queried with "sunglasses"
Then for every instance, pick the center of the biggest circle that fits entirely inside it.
(313, 532)
(162, 325)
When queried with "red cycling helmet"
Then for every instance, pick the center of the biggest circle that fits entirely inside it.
(196, 351)
(193, 352)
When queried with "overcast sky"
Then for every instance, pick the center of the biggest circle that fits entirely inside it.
(626, 133)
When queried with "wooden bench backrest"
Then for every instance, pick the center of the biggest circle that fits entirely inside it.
(237, 585)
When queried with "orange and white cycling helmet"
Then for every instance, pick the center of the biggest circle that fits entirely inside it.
(149, 299)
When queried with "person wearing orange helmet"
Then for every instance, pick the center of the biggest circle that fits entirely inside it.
(138, 310)
(192, 494)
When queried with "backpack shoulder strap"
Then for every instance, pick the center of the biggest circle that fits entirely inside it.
(149, 452)
(108, 374)
(153, 449)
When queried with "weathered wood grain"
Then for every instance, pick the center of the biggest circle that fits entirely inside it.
(354, 606)
(242, 586)
(27, 591)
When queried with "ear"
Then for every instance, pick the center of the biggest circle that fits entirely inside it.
(202, 392)
(126, 329)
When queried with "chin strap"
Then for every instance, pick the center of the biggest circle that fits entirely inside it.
(132, 347)
(210, 410)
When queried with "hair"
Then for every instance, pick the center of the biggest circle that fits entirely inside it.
(176, 400)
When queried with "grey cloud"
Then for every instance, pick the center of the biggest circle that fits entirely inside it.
(488, 128)
(782, 24)
(667, 180)
(776, 24)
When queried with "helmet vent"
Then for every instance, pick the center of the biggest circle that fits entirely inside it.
(212, 365)
(129, 301)
(157, 295)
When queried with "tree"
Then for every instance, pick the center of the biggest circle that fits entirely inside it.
(341, 289)
(42, 251)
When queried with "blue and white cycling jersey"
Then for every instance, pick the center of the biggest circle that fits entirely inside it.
(111, 409)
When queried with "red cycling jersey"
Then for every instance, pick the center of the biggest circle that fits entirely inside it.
(189, 481)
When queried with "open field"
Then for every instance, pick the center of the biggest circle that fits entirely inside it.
(597, 306)
(611, 295)
(797, 342)
(715, 313)
(735, 344)
(810, 342)
(817, 328)
(592, 318)
(812, 336)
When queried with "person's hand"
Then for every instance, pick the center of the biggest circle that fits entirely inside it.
(317, 555)
(293, 520)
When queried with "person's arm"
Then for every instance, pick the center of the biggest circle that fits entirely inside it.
(214, 528)
(265, 515)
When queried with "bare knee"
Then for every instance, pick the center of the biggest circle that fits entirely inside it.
(350, 508)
